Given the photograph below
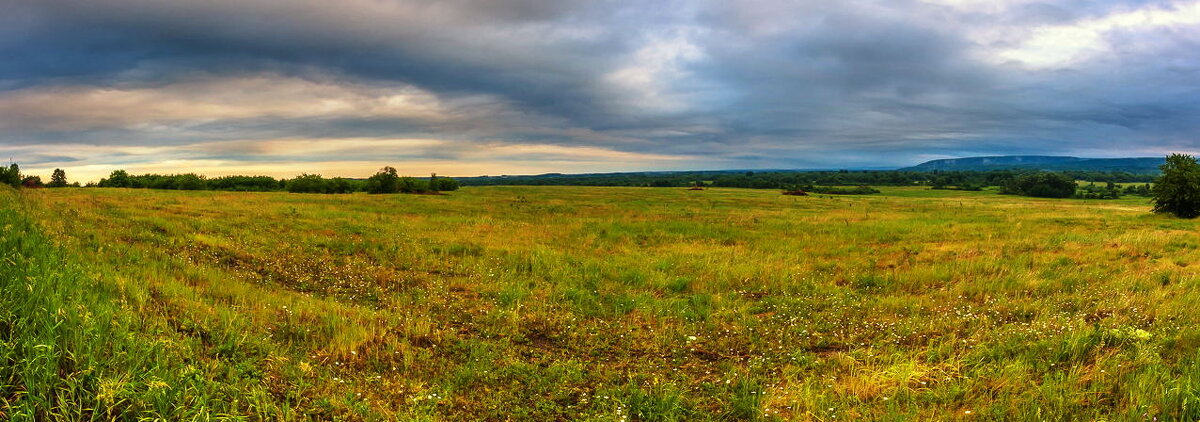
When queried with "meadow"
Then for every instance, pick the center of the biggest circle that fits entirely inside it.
(595, 303)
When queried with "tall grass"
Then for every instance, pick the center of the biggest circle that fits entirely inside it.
(574, 303)
(70, 351)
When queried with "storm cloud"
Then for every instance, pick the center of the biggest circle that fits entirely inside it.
(469, 87)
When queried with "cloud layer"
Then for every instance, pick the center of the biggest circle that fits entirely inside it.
(470, 87)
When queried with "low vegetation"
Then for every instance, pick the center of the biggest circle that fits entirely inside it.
(10, 176)
(304, 183)
(549, 303)
(1041, 185)
(937, 179)
(598, 303)
(843, 190)
(1178, 190)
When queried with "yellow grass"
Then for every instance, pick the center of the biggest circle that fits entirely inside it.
(578, 303)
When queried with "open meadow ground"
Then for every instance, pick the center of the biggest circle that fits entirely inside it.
(589, 303)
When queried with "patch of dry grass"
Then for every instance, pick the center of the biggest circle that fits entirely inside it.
(650, 303)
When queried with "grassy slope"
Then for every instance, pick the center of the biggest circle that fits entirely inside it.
(70, 349)
(597, 303)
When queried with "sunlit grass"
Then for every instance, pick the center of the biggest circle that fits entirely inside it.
(542, 303)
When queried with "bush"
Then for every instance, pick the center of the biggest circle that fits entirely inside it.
(117, 179)
(32, 182)
(1041, 185)
(1091, 191)
(344, 185)
(839, 190)
(1177, 191)
(58, 179)
(387, 180)
(965, 186)
(11, 175)
(413, 185)
(1139, 190)
(446, 184)
(308, 183)
(189, 182)
(244, 183)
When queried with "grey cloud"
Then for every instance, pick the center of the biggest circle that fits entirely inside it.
(773, 83)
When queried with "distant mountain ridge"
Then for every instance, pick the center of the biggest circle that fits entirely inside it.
(1042, 162)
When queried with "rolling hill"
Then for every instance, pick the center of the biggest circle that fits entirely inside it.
(1042, 162)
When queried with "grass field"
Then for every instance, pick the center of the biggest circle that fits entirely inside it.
(587, 303)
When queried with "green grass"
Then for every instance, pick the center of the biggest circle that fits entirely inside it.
(590, 303)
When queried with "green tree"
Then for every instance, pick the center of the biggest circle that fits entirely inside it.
(32, 182)
(413, 185)
(446, 184)
(58, 179)
(11, 176)
(117, 179)
(308, 183)
(1041, 185)
(190, 181)
(344, 185)
(1177, 191)
(387, 180)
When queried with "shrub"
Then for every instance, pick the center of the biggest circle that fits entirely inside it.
(308, 183)
(189, 181)
(1091, 191)
(117, 179)
(387, 180)
(32, 182)
(1041, 185)
(58, 179)
(841, 190)
(344, 185)
(413, 185)
(244, 183)
(11, 175)
(1177, 191)
(446, 184)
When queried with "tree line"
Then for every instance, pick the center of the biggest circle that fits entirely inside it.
(387, 180)
(966, 180)
(1175, 191)
(12, 176)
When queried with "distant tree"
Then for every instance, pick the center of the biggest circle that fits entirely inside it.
(189, 181)
(58, 179)
(835, 190)
(413, 185)
(446, 184)
(11, 175)
(1177, 191)
(344, 185)
(1041, 185)
(117, 179)
(244, 183)
(32, 182)
(308, 183)
(387, 180)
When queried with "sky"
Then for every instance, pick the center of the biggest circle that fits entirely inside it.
(489, 87)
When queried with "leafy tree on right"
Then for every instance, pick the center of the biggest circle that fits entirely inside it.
(1177, 191)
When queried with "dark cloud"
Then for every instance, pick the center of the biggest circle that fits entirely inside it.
(44, 159)
(762, 83)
